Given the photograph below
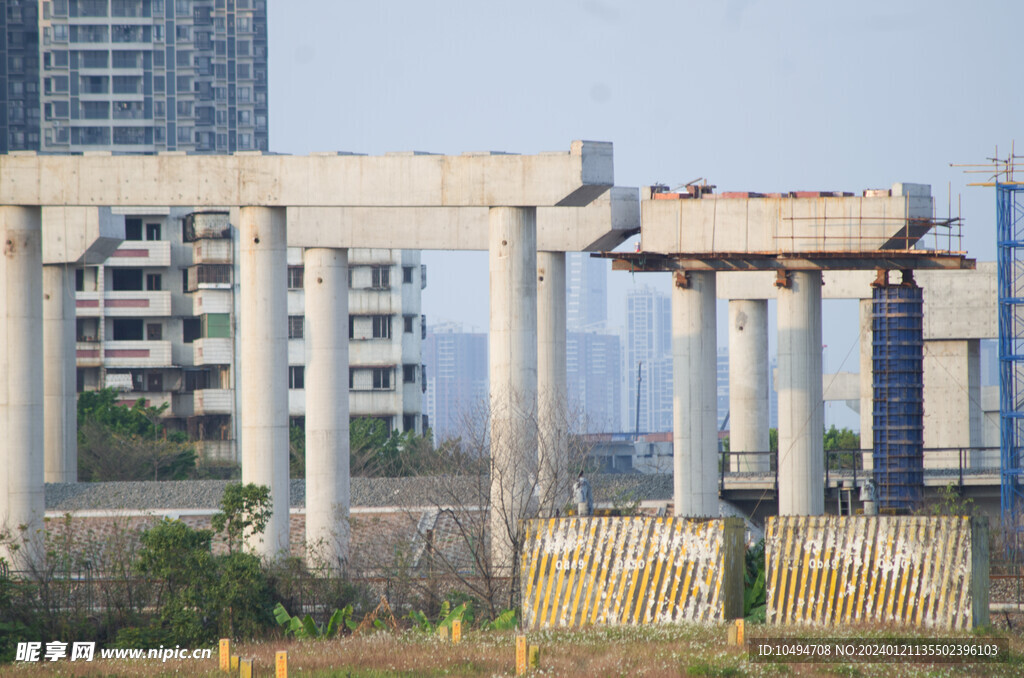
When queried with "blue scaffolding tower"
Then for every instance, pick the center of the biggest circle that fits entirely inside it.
(1010, 234)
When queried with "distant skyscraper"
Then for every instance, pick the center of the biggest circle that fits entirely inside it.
(649, 341)
(135, 76)
(723, 385)
(586, 292)
(457, 378)
(19, 75)
(594, 381)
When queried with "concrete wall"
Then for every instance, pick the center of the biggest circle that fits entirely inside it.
(929, 572)
(626, 571)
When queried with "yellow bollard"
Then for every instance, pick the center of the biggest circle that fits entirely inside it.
(234, 662)
(443, 632)
(245, 668)
(457, 631)
(520, 655)
(737, 632)
(281, 664)
(534, 660)
(225, 654)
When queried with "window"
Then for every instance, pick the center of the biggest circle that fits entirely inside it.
(184, 135)
(184, 281)
(216, 325)
(191, 329)
(128, 329)
(296, 376)
(408, 422)
(154, 332)
(79, 280)
(184, 108)
(407, 275)
(423, 383)
(409, 374)
(295, 326)
(295, 277)
(381, 327)
(382, 378)
(126, 279)
(153, 282)
(410, 324)
(381, 277)
(152, 231)
(132, 229)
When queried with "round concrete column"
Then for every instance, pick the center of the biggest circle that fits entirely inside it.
(513, 374)
(748, 384)
(21, 388)
(694, 397)
(327, 445)
(867, 393)
(801, 412)
(59, 379)
(552, 396)
(264, 342)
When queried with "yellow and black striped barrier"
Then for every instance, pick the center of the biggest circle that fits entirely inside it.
(631, 570)
(929, 572)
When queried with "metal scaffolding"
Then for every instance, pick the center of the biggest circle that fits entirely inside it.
(1010, 234)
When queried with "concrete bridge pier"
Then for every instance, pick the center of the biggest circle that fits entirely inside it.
(21, 390)
(327, 441)
(263, 270)
(59, 375)
(694, 399)
(513, 373)
(748, 384)
(801, 412)
(552, 391)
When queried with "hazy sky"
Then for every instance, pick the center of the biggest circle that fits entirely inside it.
(764, 96)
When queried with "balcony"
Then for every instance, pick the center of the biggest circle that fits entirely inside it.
(137, 354)
(137, 304)
(212, 401)
(87, 304)
(211, 301)
(212, 251)
(88, 354)
(139, 253)
(215, 351)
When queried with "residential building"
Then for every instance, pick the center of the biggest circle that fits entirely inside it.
(586, 292)
(649, 350)
(135, 76)
(158, 320)
(594, 380)
(457, 390)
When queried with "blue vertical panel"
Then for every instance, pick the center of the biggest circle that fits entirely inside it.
(1010, 267)
(898, 414)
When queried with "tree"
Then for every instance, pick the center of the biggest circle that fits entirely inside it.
(243, 509)
(116, 442)
(841, 439)
(373, 450)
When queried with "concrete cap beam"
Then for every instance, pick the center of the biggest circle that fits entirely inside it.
(80, 235)
(600, 226)
(567, 179)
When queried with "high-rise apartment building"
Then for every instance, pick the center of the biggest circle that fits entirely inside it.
(649, 349)
(594, 380)
(457, 390)
(135, 76)
(586, 292)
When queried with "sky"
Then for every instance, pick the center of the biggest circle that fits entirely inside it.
(752, 96)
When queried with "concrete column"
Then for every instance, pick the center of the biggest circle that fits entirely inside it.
(867, 422)
(952, 401)
(59, 378)
(695, 397)
(748, 384)
(513, 374)
(801, 408)
(264, 341)
(21, 389)
(552, 392)
(327, 444)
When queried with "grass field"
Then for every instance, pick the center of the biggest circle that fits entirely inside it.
(621, 651)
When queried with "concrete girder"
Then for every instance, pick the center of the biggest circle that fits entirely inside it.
(568, 179)
(791, 224)
(80, 235)
(602, 225)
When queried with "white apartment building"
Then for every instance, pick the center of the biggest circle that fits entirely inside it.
(158, 320)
